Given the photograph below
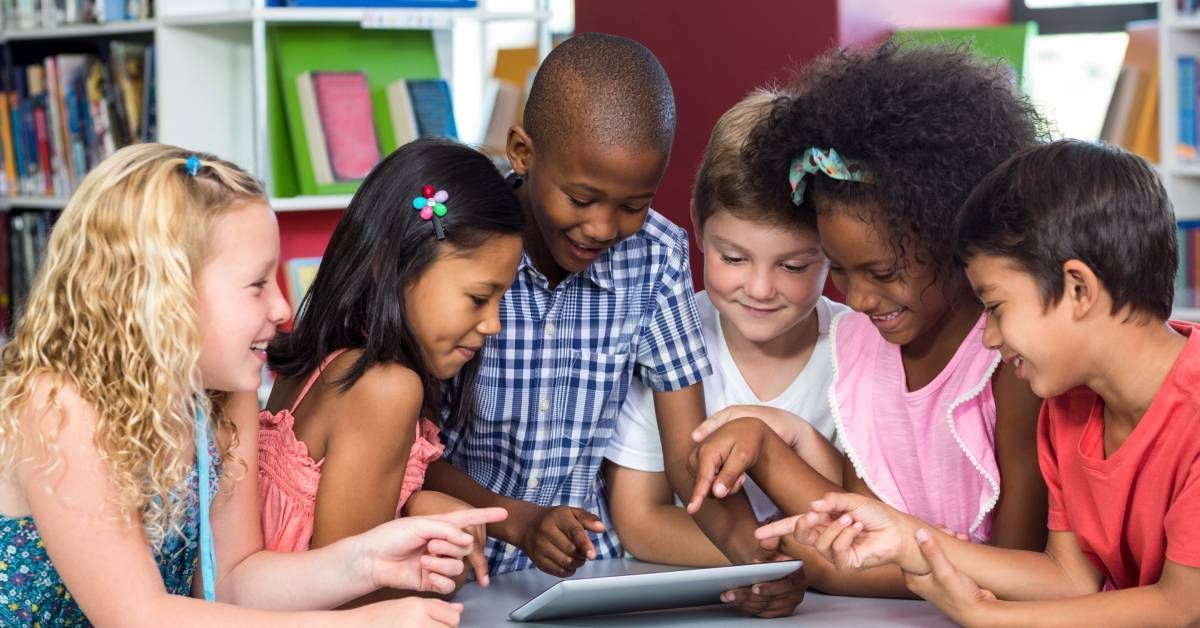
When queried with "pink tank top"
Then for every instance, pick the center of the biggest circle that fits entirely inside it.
(929, 452)
(288, 477)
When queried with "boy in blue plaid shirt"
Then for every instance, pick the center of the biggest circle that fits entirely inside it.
(603, 293)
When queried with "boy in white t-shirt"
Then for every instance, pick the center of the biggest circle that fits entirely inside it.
(766, 327)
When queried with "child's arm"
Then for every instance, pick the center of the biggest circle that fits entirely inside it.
(366, 451)
(324, 577)
(1171, 601)
(106, 562)
(649, 523)
(554, 537)
(802, 437)
(729, 523)
(1019, 521)
(855, 532)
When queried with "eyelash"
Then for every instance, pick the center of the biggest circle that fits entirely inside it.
(990, 310)
(479, 301)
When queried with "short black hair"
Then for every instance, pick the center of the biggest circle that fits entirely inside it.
(928, 122)
(613, 89)
(380, 246)
(1076, 200)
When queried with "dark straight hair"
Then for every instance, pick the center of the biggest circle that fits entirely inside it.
(379, 247)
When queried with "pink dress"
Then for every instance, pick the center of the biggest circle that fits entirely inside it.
(288, 477)
(928, 452)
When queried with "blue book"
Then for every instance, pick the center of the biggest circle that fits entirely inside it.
(432, 108)
(1187, 109)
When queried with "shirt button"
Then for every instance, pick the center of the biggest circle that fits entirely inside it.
(544, 405)
(550, 329)
(533, 482)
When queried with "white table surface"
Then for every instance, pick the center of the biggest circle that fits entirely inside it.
(491, 606)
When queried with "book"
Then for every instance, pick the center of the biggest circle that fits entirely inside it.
(400, 108)
(300, 274)
(433, 108)
(505, 110)
(339, 121)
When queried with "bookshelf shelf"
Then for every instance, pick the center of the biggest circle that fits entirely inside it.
(311, 203)
(1186, 314)
(32, 202)
(1185, 23)
(419, 19)
(79, 31)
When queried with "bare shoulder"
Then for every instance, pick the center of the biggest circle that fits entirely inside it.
(383, 397)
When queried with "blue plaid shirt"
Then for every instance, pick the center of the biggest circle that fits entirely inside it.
(552, 382)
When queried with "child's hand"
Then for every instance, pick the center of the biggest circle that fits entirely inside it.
(420, 553)
(557, 540)
(952, 591)
(719, 464)
(777, 598)
(851, 531)
(426, 503)
(404, 613)
(781, 422)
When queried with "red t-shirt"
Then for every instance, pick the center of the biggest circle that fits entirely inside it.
(1140, 506)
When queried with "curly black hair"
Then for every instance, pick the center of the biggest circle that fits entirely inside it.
(928, 122)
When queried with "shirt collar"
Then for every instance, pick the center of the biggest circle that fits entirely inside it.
(598, 272)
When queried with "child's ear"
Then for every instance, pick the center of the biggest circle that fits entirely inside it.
(1081, 287)
(519, 149)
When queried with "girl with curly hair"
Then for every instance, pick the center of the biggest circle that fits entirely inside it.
(127, 398)
(882, 147)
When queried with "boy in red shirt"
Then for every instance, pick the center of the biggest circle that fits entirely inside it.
(1072, 249)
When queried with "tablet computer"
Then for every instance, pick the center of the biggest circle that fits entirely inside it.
(646, 591)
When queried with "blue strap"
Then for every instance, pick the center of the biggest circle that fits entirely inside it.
(208, 560)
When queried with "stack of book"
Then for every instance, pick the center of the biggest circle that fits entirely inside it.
(65, 115)
(31, 14)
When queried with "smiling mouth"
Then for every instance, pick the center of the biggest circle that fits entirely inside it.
(890, 316)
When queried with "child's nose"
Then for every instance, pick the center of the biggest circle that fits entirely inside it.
(760, 287)
(602, 225)
(992, 339)
(281, 311)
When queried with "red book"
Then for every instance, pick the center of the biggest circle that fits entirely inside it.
(340, 120)
(43, 140)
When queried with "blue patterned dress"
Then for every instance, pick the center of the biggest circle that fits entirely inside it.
(33, 595)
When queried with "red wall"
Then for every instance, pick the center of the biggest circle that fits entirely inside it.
(716, 51)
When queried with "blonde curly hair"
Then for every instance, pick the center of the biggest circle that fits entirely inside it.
(113, 312)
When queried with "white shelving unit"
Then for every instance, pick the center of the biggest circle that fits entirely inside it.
(216, 53)
(212, 58)
(1178, 35)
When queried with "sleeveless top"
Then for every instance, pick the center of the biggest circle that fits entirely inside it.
(33, 594)
(930, 452)
(288, 477)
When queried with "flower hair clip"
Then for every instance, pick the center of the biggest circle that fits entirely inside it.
(432, 206)
(193, 165)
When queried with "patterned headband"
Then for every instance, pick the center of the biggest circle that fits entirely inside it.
(815, 161)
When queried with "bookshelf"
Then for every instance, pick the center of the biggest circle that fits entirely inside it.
(215, 89)
(1179, 35)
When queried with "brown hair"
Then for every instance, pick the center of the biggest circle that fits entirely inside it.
(725, 182)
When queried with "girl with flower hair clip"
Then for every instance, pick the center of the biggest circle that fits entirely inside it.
(387, 339)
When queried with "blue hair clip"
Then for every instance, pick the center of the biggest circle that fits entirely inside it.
(193, 165)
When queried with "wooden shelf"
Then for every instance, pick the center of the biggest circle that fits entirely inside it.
(80, 31)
